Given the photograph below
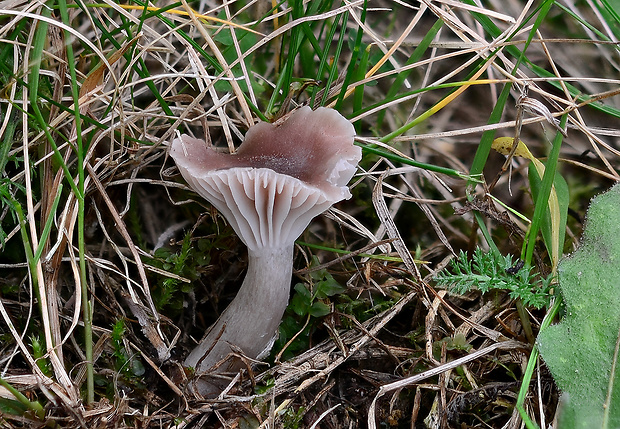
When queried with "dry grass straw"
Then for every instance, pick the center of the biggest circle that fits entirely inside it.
(128, 119)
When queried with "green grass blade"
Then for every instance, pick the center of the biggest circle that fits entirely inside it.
(48, 225)
(415, 56)
(87, 314)
(545, 190)
(324, 56)
(334, 69)
(407, 161)
(358, 95)
(357, 48)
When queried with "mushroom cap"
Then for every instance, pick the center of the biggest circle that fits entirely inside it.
(280, 178)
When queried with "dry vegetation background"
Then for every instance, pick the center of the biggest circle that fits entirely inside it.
(107, 257)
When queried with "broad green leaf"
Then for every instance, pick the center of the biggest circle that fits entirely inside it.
(328, 287)
(319, 309)
(581, 350)
(302, 300)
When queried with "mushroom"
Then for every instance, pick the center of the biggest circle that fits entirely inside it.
(281, 177)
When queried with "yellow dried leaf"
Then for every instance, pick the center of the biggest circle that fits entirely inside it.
(503, 145)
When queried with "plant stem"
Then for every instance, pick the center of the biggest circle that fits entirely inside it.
(529, 370)
(22, 399)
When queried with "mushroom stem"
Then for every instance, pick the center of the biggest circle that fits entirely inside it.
(250, 322)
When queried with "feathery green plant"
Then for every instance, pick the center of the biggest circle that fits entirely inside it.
(487, 271)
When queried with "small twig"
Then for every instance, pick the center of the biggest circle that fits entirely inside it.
(158, 340)
(342, 258)
(392, 231)
(406, 382)
(515, 140)
(323, 415)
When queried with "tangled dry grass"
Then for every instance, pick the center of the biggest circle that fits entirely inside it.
(112, 269)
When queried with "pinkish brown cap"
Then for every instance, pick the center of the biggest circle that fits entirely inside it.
(282, 176)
